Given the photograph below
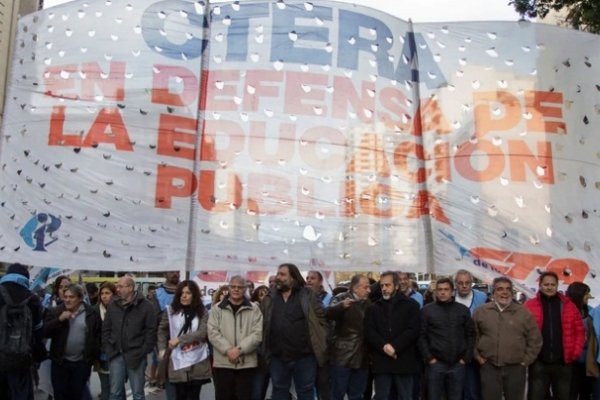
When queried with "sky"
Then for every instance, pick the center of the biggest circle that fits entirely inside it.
(426, 10)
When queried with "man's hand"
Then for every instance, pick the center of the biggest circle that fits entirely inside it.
(432, 361)
(173, 343)
(389, 350)
(348, 302)
(233, 354)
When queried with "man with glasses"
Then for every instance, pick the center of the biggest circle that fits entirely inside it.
(128, 335)
(235, 331)
(472, 298)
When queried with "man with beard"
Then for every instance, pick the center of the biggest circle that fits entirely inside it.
(507, 341)
(294, 334)
(392, 330)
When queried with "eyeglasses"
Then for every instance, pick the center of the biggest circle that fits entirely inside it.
(235, 287)
(122, 286)
(463, 283)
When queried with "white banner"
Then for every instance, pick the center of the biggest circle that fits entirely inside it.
(153, 135)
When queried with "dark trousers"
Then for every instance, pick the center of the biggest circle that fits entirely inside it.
(188, 390)
(302, 371)
(233, 383)
(472, 382)
(69, 379)
(383, 384)
(323, 383)
(445, 380)
(544, 376)
(348, 381)
(16, 385)
(506, 382)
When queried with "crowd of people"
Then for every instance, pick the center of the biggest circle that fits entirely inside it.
(368, 340)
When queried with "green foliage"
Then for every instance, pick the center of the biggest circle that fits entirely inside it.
(580, 14)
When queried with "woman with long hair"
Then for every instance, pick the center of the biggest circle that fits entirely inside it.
(182, 337)
(581, 384)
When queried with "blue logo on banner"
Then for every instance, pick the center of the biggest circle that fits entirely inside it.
(37, 232)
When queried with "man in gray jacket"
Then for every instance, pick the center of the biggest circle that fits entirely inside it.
(235, 331)
(507, 341)
(128, 335)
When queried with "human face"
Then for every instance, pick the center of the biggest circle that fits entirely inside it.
(362, 288)
(587, 297)
(313, 281)
(236, 291)
(443, 292)
(71, 301)
(105, 296)
(125, 288)
(463, 283)
(283, 280)
(503, 294)
(186, 296)
(404, 282)
(272, 281)
(172, 277)
(387, 287)
(262, 294)
(62, 287)
(549, 286)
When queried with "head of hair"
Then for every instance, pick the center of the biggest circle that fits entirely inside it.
(76, 289)
(462, 272)
(577, 292)
(18, 269)
(196, 303)
(108, 285)
(240, 279)
(446, 280)
(394, 275)
(91, 288)
(294, 274)
(355, 280)
(151, 287)
(57, 282)
(318, 273)
(257, 291)
(217, 293)
(339, 289)
(548, 273)
(501, 279)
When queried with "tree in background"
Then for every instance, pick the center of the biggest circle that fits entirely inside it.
(581, 14)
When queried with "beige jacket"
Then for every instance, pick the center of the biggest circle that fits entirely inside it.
(227, 330)
(504, 338)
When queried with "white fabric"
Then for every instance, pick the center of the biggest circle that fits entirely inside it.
(184, 356)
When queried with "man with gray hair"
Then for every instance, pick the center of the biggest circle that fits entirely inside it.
(507, 341)
(235, 331)
(128, 335)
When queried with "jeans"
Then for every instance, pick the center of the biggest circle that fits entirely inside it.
(472, 382)
(348, 381)
(303, 371)
(119, 370)
(69, 379)
(542, 376)
(16, 385)
(403, 382)
(445, 379)
(506, 382)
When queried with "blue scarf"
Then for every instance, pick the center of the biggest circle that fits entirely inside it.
(16, 278)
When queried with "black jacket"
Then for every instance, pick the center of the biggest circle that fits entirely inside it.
(447, 333)
(58, 331)
(129, 329)
(394, 321)
(348, 348)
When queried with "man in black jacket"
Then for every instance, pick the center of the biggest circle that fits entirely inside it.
(446, 343)
(128, 335)
(16, 384)
(391, 330)
(74, 328)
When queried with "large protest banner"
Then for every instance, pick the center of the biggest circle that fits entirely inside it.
(151, 135)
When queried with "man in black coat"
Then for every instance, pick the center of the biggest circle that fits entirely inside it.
(391, 331)
(446, 343)
(17, 384)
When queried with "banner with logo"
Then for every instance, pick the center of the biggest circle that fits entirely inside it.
(155, 135)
